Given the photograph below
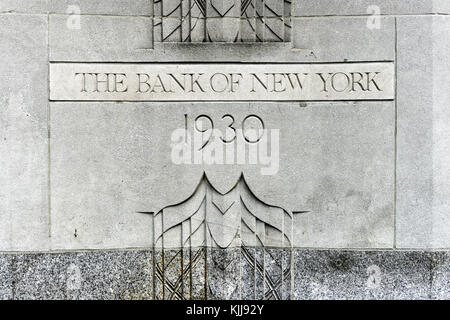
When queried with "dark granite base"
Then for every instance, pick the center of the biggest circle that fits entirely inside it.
(371, 275)
(84, 275)
(226, 274)
(6, 283)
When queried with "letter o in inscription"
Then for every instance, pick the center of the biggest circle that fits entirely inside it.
(333, 83)
(213, 85)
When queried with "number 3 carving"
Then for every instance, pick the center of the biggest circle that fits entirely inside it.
(199, 125)
(231, 127)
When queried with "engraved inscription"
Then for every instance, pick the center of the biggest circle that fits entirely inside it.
(205, 125)
(221, 82)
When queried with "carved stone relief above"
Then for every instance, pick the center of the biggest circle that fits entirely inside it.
(222, 21)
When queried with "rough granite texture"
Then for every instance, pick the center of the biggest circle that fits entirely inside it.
(361, 7)
(84, 275)
(318, 274)
(441, 276)
(363, 275)
(223, 274)
(6, 285)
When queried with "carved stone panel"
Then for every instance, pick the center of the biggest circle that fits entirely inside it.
(222, 21)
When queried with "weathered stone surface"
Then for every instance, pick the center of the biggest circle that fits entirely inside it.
(114, 143)
(29, 6)
(363, 275)
(104, 7)
(347, 146)
(441, 6)
(99, 38)
(102, 38)
(90, 275)
(86, 193)
(300, 8)
(422, 156)
(441, 132)
(23, 133)
(363, 7)
(415, 147)
(226, 52)
(344, 39)
(85, 7)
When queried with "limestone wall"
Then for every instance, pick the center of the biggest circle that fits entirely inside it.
(361, 195)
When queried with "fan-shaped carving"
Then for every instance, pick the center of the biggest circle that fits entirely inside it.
(222, 20)
(214, 241)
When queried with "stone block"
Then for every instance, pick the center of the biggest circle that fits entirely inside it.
(344, 38)
(99, 38)
(97, 178)
(382, 275)
(367, 7)
(422, 104)
(104, 7)
(24, 133)
(84, 276)
(29, 6)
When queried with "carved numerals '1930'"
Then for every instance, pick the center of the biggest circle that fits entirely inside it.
(251, 128)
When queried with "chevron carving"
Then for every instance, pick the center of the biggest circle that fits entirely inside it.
(222, 20)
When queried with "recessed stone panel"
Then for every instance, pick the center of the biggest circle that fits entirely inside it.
(221, 82)
(116, 161)
(23, 133)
